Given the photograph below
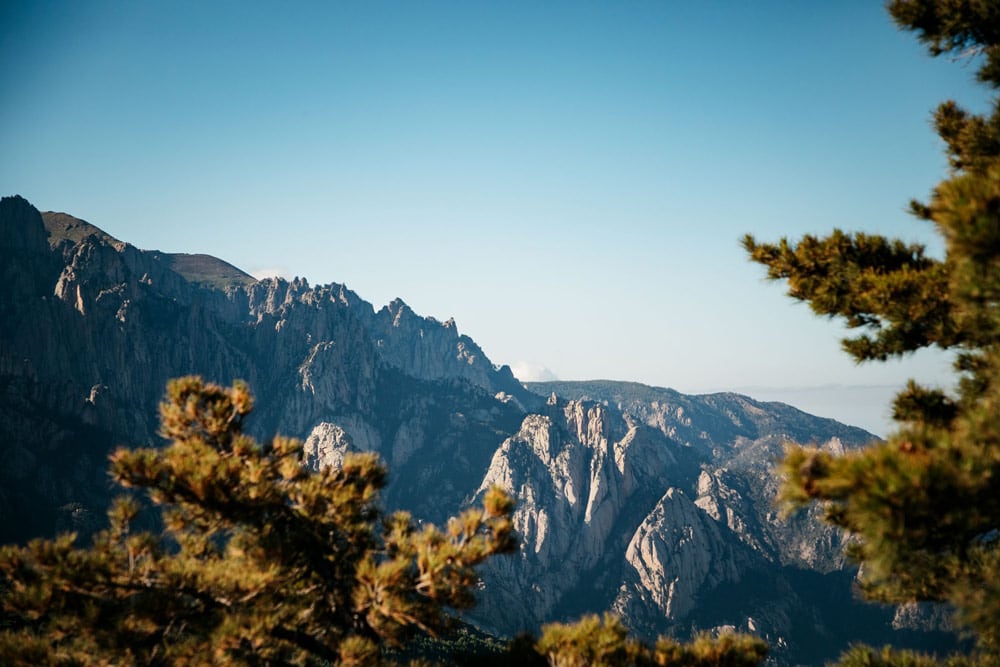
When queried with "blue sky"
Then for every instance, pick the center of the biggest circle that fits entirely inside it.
(568, 180)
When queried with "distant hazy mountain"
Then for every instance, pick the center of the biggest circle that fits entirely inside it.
(634, 498)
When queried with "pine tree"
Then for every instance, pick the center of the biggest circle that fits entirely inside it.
(260, 561)
(924, 506)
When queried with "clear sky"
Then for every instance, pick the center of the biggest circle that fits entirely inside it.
(568, 180)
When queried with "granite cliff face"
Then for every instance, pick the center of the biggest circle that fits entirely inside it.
(578, 473)
(624, 502)
(642, 500)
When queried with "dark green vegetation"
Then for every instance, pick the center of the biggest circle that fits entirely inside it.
(592, 640)
(605, 642)
(206, 270)
(64, 227)
(202, 270)
(925, 505)
(260, 561)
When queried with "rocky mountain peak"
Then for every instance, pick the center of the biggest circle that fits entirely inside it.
(21, 226)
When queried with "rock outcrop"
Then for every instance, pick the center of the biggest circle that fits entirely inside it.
(577, 475)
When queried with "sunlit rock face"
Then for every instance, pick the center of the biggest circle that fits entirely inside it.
(675, 552)
(574, 470)
(641, 500)
(614, 512)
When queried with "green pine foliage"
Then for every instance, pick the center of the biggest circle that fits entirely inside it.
(260, 561)
(604, 642)
(923, 507)
(865, 656)
(601, 642)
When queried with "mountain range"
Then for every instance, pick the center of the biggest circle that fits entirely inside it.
(642, 500)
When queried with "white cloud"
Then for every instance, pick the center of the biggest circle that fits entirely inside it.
(260, 274)
(525, 371)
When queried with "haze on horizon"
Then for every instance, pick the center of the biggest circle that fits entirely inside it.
(569, 182)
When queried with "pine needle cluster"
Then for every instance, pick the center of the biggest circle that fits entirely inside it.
(604, 642)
